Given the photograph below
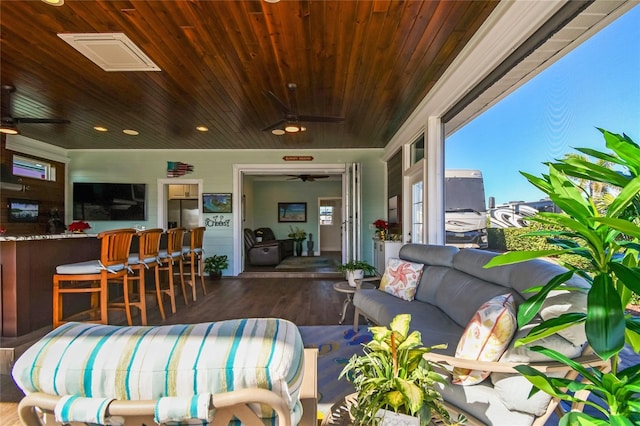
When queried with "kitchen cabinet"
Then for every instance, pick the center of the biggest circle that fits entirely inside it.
(183, 191)
(382, 251)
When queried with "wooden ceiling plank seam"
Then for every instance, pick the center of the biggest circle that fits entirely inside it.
(344, 36)
(223, 97)
(352, 72)
(393, 21)
(236, 97)
(361, 106)
(409, 99)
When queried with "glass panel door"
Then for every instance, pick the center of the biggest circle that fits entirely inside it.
(417, 209)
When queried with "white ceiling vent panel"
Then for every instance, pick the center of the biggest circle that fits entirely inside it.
(111, 51)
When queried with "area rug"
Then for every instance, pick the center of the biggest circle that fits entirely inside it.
(336, 344)
(307, 262)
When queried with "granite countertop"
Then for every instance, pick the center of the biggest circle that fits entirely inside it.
(44, 237)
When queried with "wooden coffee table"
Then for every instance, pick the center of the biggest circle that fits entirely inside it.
(344, 287)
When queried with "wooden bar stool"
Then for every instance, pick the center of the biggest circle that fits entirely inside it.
(194, 259)
(139, 263)
(91, 276)
(168, 257)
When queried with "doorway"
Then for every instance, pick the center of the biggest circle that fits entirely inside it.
(242, 203)
(191, 188)
(330, 225)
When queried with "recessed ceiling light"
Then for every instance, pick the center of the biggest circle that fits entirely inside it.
(272, 1)
(202, 128)
(130, 132)
(54, 2)
(100, 128)
(278, 132)
(8, 129)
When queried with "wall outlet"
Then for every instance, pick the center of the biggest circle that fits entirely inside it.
(372, 226)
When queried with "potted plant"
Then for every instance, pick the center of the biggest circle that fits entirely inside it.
(381, 228)
(78, 226)
(609, 240)
(298, 235)
(355, 270)
(215, 264)
(392, 377)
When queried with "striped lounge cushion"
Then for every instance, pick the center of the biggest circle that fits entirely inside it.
(147, 363)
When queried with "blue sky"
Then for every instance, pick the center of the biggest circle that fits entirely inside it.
(595, 85)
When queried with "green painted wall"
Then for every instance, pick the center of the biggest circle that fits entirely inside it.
(215, 168)
(267, 195)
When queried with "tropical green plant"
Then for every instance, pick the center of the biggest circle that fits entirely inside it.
(393, 375)
(609, 243)
(216, 263)
(354, 265)
(297, 234)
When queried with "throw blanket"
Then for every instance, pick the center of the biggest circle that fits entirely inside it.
(148, 363)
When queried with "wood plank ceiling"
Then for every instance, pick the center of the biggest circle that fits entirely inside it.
(370, 62)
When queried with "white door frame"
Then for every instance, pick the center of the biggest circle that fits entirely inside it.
(239, 170)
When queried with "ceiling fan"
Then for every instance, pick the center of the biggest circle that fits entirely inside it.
(291, 121)
(9, 123)
(307, 178)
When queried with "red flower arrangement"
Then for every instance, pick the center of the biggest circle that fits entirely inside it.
(78, 226)
(381, 225)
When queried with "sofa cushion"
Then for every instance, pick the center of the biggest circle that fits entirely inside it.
(512, 388)
(401, 278)
(457, 286)
(482, 402)
(486, 337)
(559, 302)
(429, 254)
(434, 325)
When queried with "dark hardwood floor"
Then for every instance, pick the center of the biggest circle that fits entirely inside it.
(305, 300)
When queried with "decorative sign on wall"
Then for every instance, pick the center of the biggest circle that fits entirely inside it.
(176, 168)
(297, 158)
(217, 220)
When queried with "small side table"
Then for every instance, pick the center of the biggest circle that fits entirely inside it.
(344, 287)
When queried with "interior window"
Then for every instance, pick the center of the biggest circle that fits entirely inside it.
(326, 215)
(34, 169)
(417, 150)
(417, 221)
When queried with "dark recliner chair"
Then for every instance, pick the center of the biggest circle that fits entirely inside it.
(265, 253)
(286, 246)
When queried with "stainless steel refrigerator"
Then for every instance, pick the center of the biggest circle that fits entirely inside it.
(183, 213)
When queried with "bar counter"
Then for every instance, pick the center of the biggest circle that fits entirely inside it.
(28, 264)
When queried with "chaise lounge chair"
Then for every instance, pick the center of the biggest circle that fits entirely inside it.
(253, 369)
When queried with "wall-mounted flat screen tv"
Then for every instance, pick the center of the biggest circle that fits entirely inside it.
(23, 210)
(109, 201)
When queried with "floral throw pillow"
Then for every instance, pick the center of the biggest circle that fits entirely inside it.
(401, 278)
(486, 337)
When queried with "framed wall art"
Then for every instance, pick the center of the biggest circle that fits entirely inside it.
(292, 212)
(216, 203)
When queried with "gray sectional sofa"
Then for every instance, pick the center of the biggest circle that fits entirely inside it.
(454, 284)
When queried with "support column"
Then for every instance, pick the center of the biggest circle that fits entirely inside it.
(434, 183)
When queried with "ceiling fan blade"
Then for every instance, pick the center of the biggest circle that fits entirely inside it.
(320, 118)
(274, 125)
(281, 105)
(28, 120)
